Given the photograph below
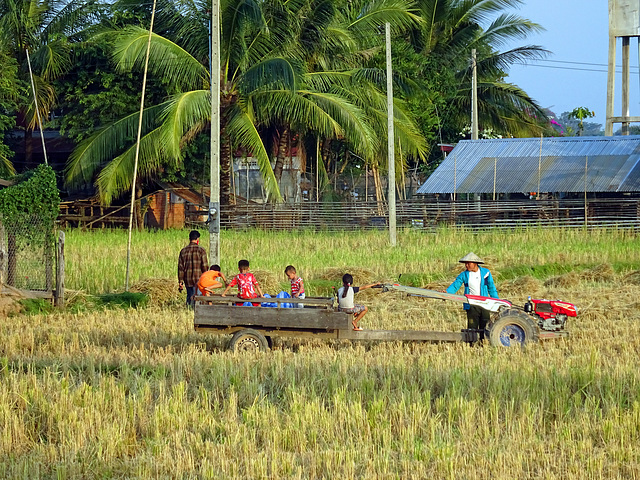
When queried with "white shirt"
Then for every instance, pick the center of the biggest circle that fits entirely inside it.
(347, 301)
(474, 282)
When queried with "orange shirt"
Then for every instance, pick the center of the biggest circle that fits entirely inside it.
(209, 279)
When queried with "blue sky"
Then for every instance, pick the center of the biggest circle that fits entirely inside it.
(576, 31)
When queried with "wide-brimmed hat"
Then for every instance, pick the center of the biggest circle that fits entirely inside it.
(471, 257)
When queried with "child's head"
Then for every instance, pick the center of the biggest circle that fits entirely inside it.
(243, 265)
(215, 267)
(347, 280)
(290, 272)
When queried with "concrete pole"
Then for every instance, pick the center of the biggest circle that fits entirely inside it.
(214, 200)
(390, 141)
(474, 96)
(611, 85)
(625, 84)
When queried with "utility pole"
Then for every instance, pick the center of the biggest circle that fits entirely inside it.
(390, 141)
(474, 96)
(214, 200)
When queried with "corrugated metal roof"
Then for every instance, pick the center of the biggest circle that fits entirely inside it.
(612, 164)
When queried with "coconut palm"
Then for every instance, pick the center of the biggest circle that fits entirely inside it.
(45, 29)
(451, 29)
(262, 83)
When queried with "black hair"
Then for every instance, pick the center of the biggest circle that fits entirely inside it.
(242, 264)
(194, 235)
(290, 268)
(347, 280)
(215, 267)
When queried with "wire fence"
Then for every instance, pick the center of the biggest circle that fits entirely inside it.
(428, 214)
(27, 254)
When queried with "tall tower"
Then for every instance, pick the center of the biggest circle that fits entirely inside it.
(624, 22)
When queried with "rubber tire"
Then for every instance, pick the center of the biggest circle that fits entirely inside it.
(512, 328)
(248, 340)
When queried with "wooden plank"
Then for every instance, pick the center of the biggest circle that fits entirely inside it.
(414, 335)
(217, 299)
(309, 318)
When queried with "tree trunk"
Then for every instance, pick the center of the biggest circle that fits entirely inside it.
(282, 154)
(225, 169)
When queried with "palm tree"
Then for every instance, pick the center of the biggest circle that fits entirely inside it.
(451, 29)
(45, 29)
(262, 83)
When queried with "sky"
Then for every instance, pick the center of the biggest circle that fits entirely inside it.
(575, 73)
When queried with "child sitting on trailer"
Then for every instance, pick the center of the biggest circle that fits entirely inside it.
(346, 303)
(247, 283)
(209, 280)
(297, 285)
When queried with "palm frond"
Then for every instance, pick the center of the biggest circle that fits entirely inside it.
(243, 132)
(166, 59)
(92, 153)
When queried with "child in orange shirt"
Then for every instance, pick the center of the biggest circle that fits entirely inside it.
(209, 280)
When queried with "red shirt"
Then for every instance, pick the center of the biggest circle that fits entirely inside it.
(245, 282)
(297, 286)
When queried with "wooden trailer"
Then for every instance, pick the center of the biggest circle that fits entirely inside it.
(254, 327)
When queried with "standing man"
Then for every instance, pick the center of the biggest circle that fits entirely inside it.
(192, 263)
(477, 281)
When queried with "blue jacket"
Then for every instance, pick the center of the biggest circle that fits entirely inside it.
(487, 287)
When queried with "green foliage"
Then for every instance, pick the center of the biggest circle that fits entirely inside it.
(580, 113)
(122, 300)
(35, 195)
(35, 306)
(11, 92)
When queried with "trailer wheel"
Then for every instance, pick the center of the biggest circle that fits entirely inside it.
(512, 328)
(248, 340)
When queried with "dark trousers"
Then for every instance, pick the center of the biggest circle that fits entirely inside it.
(477, 318)
(191, 291)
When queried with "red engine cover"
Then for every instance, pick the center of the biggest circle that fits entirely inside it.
(550, 308)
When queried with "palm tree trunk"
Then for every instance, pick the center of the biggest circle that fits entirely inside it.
(225, 169)
(282, 153)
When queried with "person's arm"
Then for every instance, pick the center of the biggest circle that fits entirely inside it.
(204, 265)
(493, 291)
(368, 286)
(457, 283)
(180, 271)
(223, 278)
(259, 289)
(231, 284)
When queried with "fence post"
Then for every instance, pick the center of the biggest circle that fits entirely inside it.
(59, 292)
(3, 255)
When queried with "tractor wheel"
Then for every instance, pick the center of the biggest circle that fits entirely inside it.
(512, 328)
(248, 340)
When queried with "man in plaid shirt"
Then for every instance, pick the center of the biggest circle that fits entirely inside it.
(192, 263)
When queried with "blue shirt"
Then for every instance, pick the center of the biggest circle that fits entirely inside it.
(487, 287)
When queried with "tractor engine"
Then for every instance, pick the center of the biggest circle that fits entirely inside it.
(551, 315)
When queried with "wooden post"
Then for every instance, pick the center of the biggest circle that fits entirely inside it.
(474, 96)
(611, 78)
(539, 169)
(59, 292)
(495, 174)
(586, 163)
(3, 256)
(625, 85)
(390, 141)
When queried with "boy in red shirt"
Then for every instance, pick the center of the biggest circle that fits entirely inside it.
(297, 285)
(247, 283)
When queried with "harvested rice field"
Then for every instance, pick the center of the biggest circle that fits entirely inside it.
(102, 391)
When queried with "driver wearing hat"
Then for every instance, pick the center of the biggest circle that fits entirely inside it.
(477, 280)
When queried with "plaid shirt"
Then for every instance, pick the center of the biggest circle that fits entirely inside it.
(192, 263)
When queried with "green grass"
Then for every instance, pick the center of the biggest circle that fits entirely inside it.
(136, 393)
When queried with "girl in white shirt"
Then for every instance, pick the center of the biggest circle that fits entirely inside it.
(346, 302)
